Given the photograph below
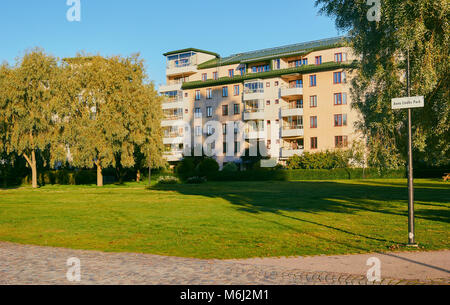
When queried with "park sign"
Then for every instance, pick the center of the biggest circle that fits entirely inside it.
(408, 102)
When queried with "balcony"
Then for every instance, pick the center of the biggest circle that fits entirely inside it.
(292, 131)
(292, 111)
(173, 156)
(173, 138)
(287, 152)
(182, 67)
(175, 86)
(177, 102)
(253, 94)
(291, 92)
(253, 114)
(254, 134)
(172, 120)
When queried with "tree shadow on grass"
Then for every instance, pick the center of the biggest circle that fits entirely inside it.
(308, 197)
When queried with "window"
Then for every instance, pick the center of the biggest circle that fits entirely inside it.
(318, 60)
(268, 103)
(341, 141)
(209, 111)
(215, 75)
(236, 90)
(186, 111)
(314, 143)
(224, 147)
(313, 121)
(224, 129)
(338, 57)
(236, 127)
(198, 131)
(277, 102)
(340, 120)
(197, 95)
(242, 70)
(225, 110)
(224, 91)
(231, 73)
(296, 83)
(313, 101)
(268, 85)
(209, 93)
(204, 77)
(340, 98)
(312, 80)
(209, 130)
(305, 61)
(276, 84)
(186, 94)
(197, 113)
(237, 147)
(237, 109)
(261, 68)
(277, 64)
(339, 77)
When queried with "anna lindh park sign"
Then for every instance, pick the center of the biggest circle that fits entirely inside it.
(408, 102)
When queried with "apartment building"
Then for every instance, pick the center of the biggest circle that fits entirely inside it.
(292, 98)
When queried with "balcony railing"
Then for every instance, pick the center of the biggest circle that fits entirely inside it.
(292, 126)
(292, 106)
(173, 117)
(181, 63)
(173, 99)
(253, 110)
(251, 91)
(173, 135)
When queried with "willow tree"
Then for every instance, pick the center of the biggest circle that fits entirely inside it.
(415, 28)
(28, 97)
(112, 112)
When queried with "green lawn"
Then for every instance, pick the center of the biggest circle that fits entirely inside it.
(230, 219)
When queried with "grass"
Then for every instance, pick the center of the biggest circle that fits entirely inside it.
(230, 219)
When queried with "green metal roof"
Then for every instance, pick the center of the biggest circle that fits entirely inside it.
(191, 50)
(267, 54)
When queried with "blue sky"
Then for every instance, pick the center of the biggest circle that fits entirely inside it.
(114, 27)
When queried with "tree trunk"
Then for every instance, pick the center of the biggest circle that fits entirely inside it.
(150, 176)
(32, 163)
(99, 174)
(33, 170)
(138, 176)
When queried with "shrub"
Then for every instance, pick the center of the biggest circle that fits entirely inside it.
(320, 160)
(167, 180)
(207, 167)
(230, 167)
(196, 180)
(185, 169)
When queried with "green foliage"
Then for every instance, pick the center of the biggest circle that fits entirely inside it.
(420, 29)
(196, 180)
(230, 167)
(320, 160)
(207, 167)
(64, 177)
(185, 168)
(308, 174)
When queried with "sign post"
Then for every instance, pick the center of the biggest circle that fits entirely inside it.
(409, 103)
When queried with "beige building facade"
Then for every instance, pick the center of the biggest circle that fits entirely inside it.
(291, 99)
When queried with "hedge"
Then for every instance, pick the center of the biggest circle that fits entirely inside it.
(306, 174)
(64, 177)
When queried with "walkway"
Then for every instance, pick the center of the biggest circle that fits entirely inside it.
(22, 264)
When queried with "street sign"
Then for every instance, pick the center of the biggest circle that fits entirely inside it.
(408, 102)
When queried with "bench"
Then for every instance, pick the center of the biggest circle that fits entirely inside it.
(446, 177)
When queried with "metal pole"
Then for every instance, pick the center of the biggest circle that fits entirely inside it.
(411, 236)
